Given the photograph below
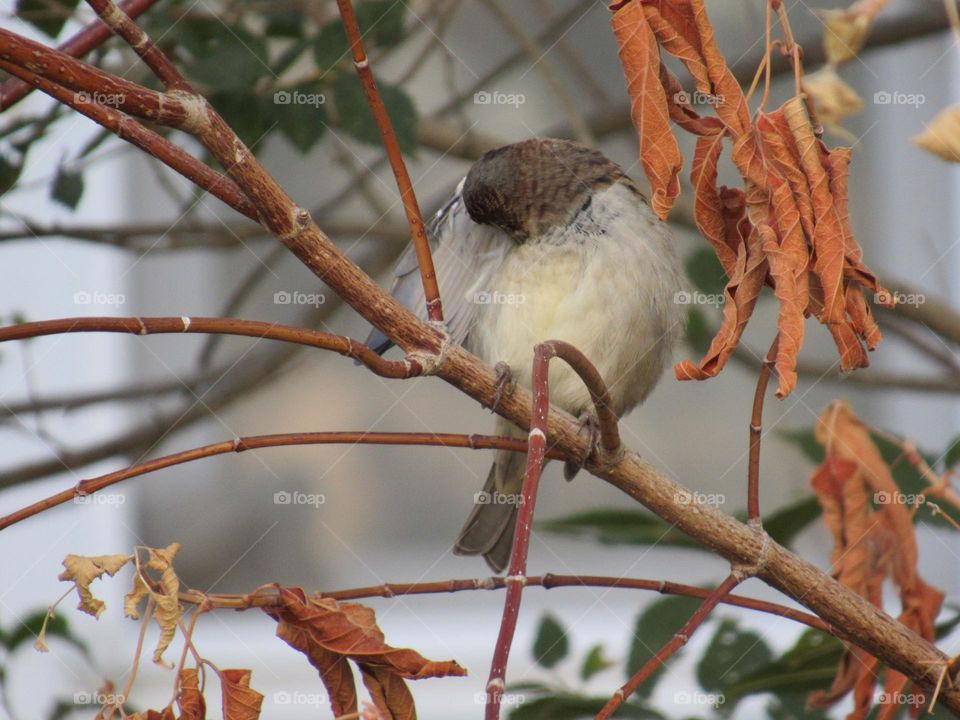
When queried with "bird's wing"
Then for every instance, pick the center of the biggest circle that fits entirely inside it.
(465, 256)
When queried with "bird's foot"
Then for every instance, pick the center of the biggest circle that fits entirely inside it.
(506, 383)
(589, 426)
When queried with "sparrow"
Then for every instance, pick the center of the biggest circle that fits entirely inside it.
(548, 239)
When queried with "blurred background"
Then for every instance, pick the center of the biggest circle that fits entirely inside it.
(91, 226)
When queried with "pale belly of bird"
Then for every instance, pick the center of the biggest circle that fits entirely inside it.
(603, 296)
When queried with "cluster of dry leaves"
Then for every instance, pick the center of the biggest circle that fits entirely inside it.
(788, 226)
(328, 633)
(845, 34)
(874, 540)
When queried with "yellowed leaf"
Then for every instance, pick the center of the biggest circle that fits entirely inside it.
(942, 136)
(832, 98)
(83, 570)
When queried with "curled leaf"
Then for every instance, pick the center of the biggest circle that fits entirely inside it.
(833, 98)
(942, 136)
(83, 570)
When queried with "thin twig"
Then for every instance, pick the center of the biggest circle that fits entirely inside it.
(673, 645)
(756, 433)
(418, 231)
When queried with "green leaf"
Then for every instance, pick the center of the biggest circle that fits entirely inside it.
(283, 21)
(805, 441)
(381, 25)
(786, 523)
(705, 272)
(951, 456)
(300, 115)
(731, 654)
(698, 331)
(809, 665)
(565, 706)
(222, 58)
(251, 116)
(67, 187)
(594, 663)
(28, 629)
(612, 526)
(9, 174)
(47, 16)
(357, 119)
(654, 628)
(550, 645)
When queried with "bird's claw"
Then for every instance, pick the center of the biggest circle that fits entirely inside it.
(506, 383)
(589, 426)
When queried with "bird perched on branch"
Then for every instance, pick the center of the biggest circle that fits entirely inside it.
(548, 240)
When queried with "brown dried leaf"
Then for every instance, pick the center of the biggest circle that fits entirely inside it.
(676, 30)
(389, 692)
(832, 98)
(780, 147)
(659, 150)
(83, 570)
(708, 208)
(792, 305)
(167, 611)
(189, 698)
(329, 633)
(240, 701)
(846, 31)
(942, 135)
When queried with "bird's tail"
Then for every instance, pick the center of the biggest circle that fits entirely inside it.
(490, 526)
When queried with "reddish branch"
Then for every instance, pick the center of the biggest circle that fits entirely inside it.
(673, 645)
(756, 433)
(398, 369)
(90, 37)
(549, 581)
(256, 442)
(421, 243)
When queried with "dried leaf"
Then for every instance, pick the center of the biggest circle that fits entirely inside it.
(167, 611)
(846, 31)
(240, 701)
(708, 207)
(832, 98)
(83, 570)
(659, 150)
(329, 633)
(942, 135)
(792, 305)
(189, 698)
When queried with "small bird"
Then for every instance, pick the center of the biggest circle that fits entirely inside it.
(548, 240)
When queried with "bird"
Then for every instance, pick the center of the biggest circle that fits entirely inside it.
(548, 239)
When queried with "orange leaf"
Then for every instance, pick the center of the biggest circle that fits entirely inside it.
(792, 304)
(659, 151)
(240, 701)
(189, 698)
(708, 207)
(389, 692)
